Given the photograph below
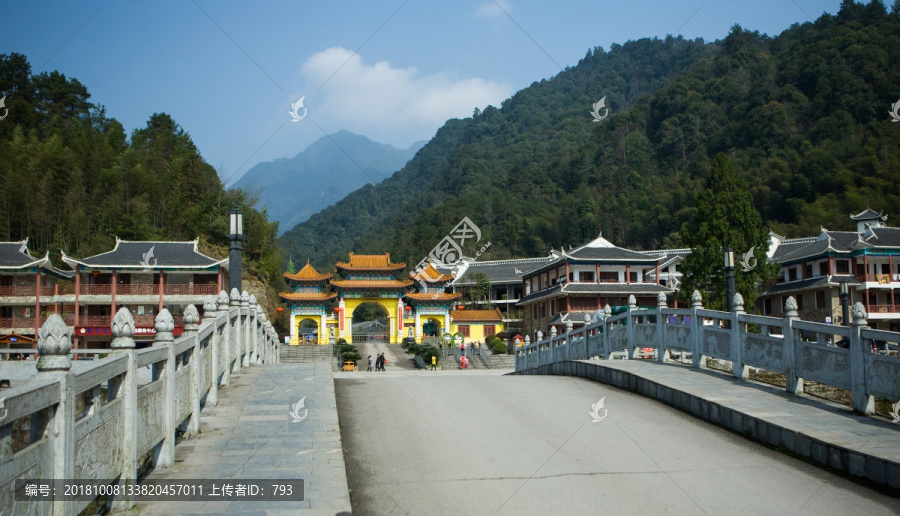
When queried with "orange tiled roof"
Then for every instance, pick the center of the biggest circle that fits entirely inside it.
(431, 275)
(307, 296)
(370, 262)
(307, 273)
(476, 315)
(395, 284)
(433, 296)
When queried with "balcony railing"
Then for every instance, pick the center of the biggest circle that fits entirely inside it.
(18, 321)
(106, 320)
(884, 309)
(878, 278)
(131, 289)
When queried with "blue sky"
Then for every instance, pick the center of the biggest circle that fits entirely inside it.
(228, 71)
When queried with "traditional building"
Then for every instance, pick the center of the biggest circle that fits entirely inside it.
(311, 304)
(28, 288)
(812, 270)
(571, 287)
(143, 276)
(432, 304)
(475, 325)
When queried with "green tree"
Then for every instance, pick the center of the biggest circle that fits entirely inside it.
(479, 295)
(724, 217)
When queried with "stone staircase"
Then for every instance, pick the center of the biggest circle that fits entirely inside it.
(306, 353)
(500, 361)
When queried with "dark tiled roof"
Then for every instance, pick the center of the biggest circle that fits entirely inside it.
(869, 214)
(884, 237)
(501, 271)
(811, 283)
(597, 288)
(14, 255)
(609, 253)
(135, 255)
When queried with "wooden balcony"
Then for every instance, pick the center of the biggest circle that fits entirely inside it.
(133, 289)
(883, 309)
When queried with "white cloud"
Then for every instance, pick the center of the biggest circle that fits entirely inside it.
(388, 104)
(493, 9)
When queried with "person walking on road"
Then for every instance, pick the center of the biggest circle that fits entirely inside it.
(433, 363)
(370, 364)
(378, 362)
(383, 361)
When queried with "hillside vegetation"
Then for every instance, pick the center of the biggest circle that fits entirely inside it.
(803, 116)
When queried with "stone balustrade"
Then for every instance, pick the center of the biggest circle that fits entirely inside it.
(139, 414)
(797, 349)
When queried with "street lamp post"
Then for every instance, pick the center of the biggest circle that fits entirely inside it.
(729, 279)
(236, 235)
(845, 304)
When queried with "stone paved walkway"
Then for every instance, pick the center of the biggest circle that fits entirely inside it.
(250, 435)
(829, 433)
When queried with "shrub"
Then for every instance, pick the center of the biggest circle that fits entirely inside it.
(426, 352)
(341, 341)
(498, 346)
(352, 356)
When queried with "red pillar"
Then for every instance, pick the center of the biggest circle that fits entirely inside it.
(77, 307)
(657, 273)
(831, 266)
(597, 271)
(567, 271)
(37, 304)
(866, 267)
(115, 279)
(162, 287)
(219, 282)
(56, 298)
(627, 272)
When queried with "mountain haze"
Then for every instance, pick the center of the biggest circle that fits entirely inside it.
(803, 115)
(293, 189)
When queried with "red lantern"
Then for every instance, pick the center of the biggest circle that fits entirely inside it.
(460, 307)
(408, 308)
(337, 310)
(279, 309)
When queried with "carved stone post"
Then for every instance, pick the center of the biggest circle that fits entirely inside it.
(254, 353)
(245, 328)
(631, 322)
(57, 425)
(263, 344)
(225, 347)
(738, 369)
(552, 344)
(607, 313)
(859, 349)
(125, 387)
(696, 331)
(237, 347)
(165, 450)
(210, 315)
(191, 320)
(793, 384)
(662, 350)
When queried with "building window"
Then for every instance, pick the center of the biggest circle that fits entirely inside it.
(823, 268)
(633, 277)
(609, 277)
(842, 267)
(489, 329)
(820, 299)
(767, 306)
(464, 329)
(792, 274)
(809, 271)
(586, 276)
(799, 301)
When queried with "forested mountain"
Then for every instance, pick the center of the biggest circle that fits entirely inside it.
(497, 166)
(73, 180)
(803, 115)
(291, 190)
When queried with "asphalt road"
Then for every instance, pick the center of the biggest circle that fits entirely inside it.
(459, 443)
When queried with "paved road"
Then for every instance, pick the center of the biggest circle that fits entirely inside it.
(395, 354)
(250, 435)
(487, 444)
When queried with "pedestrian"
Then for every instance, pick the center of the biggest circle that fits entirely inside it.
(462, 347)
(378, 362)
(383, 361)
(433, 363)
(370, 364)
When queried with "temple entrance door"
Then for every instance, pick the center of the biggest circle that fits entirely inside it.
(371, 323)
(308, 331)
(431, 328)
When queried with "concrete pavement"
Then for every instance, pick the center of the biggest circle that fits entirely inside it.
(250, 435)
(487, 444)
